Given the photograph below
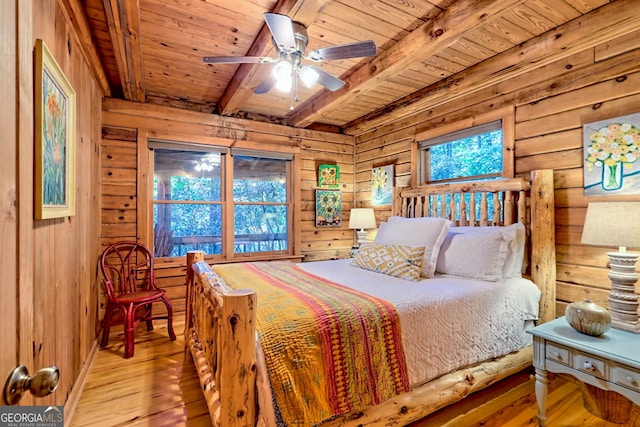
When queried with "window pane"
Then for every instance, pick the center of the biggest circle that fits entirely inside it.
(476, 155)
(185, 227)
(260, 228)
(186, 175)
(259, 180)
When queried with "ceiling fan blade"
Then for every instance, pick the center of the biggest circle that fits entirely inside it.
(327, 80)
(281, 28)
(266, 85)
(343, 51)
(237, 59)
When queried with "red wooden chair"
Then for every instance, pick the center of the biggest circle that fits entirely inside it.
(130, 281)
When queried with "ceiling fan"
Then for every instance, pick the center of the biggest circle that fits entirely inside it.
(290, 40)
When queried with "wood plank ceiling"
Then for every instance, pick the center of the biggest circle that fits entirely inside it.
(151, 51)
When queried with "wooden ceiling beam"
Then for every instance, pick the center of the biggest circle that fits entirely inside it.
(575, 36)
(123, 18)
(431, 38)
(76, 14)
(240, 88)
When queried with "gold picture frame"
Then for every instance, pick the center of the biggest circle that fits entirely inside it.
(55, 133)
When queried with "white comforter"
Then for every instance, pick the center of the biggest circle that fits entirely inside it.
(447, 322)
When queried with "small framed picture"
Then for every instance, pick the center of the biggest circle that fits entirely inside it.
(329, 176)
(381, 185)
(328, 208)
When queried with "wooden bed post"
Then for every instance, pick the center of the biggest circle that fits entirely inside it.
(543, 241)
(220, 332)
(237, 369)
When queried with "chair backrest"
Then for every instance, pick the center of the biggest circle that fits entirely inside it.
(127, 267)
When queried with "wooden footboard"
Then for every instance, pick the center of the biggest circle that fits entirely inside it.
(220, 325)
(221, 334)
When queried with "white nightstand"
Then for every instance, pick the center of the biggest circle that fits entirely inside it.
(609, 362)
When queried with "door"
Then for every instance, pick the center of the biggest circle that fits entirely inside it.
(8, 192)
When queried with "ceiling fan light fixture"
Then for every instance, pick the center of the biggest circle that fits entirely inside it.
(309, 76)
(283, 75)
(284, 84)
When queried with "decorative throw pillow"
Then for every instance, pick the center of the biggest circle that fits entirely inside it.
(479, 255)
(427, 232)
(404, 262)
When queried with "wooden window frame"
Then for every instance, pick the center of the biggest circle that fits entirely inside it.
(145, 201)
(507, 117)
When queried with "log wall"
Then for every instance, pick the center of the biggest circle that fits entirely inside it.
(127, 124)
(551, 105)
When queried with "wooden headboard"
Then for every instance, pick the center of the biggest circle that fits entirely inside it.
(497, 202)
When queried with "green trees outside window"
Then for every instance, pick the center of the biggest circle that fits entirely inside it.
(190, 204)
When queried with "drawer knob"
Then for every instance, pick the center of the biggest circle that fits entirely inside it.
(630, 379)
(588, 366)
(556, 354)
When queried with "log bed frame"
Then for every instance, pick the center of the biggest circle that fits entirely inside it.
(220, 322)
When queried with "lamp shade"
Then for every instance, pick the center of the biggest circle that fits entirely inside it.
(362, 218)
(615, 224)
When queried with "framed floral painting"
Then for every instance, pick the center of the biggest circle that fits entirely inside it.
(328, 208)
(329, 176)
(55, 124)
(612, 156)
(381, 185)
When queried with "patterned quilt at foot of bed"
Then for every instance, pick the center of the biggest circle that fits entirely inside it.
(329, 349)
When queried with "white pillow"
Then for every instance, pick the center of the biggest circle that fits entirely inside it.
(516, 236)
(427, 232)
(380, 233)
(476, 255)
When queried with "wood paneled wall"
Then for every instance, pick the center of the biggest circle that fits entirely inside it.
(127, 124)
(48, 266)
(551, 104)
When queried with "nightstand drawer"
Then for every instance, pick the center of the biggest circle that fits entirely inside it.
(590, 364)
(557, 353)
(626, 377)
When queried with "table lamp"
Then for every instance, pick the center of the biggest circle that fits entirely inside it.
(617, 224)
(361, 219)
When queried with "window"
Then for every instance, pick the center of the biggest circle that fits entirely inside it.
(454, 152)
(471, 153)
(225, 202)
(260, 204)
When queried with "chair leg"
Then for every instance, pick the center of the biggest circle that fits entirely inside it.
(149, 316)
(129, 332)
(172, 334)
(106, 326)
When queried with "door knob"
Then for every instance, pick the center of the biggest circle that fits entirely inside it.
(43, 383)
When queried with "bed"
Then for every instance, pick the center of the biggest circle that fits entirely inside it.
(222, 314)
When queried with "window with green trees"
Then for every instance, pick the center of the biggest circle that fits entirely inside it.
(472, 153)
(191, 210)
(466, 154)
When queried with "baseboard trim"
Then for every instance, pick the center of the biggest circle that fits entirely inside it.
(76, 391)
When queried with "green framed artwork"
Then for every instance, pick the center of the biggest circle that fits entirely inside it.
(329, 176)
(328, 208)
(55, 131)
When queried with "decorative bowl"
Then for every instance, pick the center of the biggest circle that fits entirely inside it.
(588, 318)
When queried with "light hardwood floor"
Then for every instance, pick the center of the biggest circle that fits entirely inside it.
(159, 387)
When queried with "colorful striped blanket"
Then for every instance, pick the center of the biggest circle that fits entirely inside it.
(329, 349)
